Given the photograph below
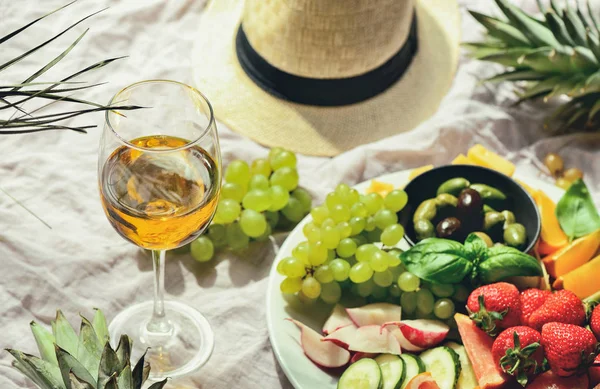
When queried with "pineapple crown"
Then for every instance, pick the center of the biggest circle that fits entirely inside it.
(557, 53)
(84, 361)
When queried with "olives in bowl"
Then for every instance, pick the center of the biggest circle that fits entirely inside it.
(453, 201)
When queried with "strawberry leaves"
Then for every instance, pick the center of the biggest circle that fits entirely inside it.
(519, 362)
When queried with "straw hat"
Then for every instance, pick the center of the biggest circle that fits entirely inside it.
(323, 76)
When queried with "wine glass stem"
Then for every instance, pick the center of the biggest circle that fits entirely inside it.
(159, 323)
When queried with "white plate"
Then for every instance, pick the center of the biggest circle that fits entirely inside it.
(301, 372)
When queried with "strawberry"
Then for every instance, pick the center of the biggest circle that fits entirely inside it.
(495, 306)
(570, 349)
(518, 352)
(549, 380)
(595, 322)
(595, 371)
(561, 307)
(531, 300)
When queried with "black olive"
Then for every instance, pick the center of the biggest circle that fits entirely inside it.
(469, 209)
(448, 228)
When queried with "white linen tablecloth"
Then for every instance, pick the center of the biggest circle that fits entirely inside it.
(82, 263)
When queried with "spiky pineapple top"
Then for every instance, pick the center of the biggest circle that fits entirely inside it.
(84, 361)
(556, 54)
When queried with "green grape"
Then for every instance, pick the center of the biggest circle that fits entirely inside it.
(330, 255)
(425, 301)
(393, 260)
(317, 253)
(360, 272)
(232, 191)
(442, 290)
(357, 224)
(228, 211)
(253, 223)
(238, 172)
(395, 200)
(202, 249)
(359, 210)
(379, 293)
(379, 261)
(274, 151)
(373, 202)
(461, 293)
(344, 229)
(260, 166)
(384, 278)
(314, 235)
(370, 224)
(265, 235)
(304, 197)
(365, 288)
(280, 266)
(360, 240)
(291, 285)
(340, 269)
(301, 252)
(340, 213)
(443, 308)
(332, 200)
(311, 288)
(272, 218)
(330, 237)
(293, 267)
(408, 302)
(351, 260)
(425, 316)
(286, 177)
(257, 199)
(293, 210)
(392, 234)
(397, 270)
(259, 181)
(350, 198)
(323, 274)
(365, 252)
(328, 223)
(385, 217)
(217, 233)
(236, 239)
(342, 189)
(408, 282)
(331, 292)
(319, 214)
(394, 290)
(308, 227)
(283, 159)
(374, 235)
(346, 248)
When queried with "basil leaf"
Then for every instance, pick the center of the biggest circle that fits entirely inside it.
(503, 262)
(476, 248)
(576, 211)
(441, 261)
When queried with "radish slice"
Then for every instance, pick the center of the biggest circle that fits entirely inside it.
(422, 333)
(405, 345)
(358, 356)
(366, 339)
(325, 354)
(338, 319)
(374, 314)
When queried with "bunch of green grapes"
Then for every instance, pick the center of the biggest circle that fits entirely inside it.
(255, 200)
(350, 247)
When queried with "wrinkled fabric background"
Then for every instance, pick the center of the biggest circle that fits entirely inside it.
(82, 263)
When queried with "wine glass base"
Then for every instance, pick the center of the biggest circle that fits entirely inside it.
(174, 354)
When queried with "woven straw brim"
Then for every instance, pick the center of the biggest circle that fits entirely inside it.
(325, 131)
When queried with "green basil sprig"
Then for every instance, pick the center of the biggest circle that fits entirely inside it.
(576, 211)
(445, 261)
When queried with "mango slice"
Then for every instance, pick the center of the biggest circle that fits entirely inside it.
(484, 157)
(573, 255)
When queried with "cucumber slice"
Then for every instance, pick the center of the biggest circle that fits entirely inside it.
(467, 378)
(444, 365)
(414, 365)
(393, 370)
(364, 374)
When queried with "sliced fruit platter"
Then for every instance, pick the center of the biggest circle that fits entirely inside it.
(501, 297)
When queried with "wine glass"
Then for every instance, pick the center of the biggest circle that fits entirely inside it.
(159, 172)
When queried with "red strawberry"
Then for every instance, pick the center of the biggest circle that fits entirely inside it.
(561, 307)
(595, 372)
(518, 352)
(531, 300)
(570, 349)
(495, 305)
(595, 321)
(549, 380)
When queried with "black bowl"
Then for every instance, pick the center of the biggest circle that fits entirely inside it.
(519, 201)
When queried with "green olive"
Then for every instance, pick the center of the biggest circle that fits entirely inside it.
(509, 218)
(487, 208)
(485, 237)
(446, 200)
(491, 220)
(488, 192)
(453, 186)
(426, 210)
(515, 235)
(424, 229)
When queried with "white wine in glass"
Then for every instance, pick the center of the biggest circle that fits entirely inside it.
(159, 177)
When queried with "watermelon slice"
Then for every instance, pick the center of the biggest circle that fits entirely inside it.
(549, 380)
(478, 345)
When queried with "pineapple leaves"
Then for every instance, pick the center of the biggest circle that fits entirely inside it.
(123, 351)
(45, 342)
(64, 334)
(112, 383)
(109, 366)
(89, 349)
(502, 30)
(594, 111)
(517, 75)
(43, 373)
(158, 385)
(594, 44)
(141, 371)
(78, 383)
(583, 59)
(558, 28)
(125, 378)
(574, 25)
(99, 324)
(69, 364)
